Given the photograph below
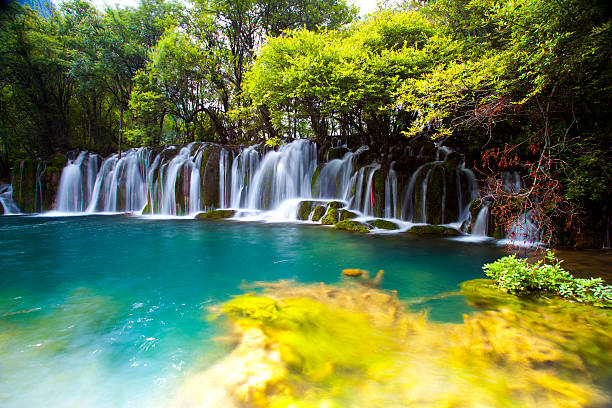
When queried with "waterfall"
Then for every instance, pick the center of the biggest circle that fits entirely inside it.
(524, 232)
(121, 185)
(423, 203)
(334, 179)
(511, 182)
(408, 203)
(481, 225)
(243, 167)
(6, 200)
(70, 194)
(224, 197)
(364, 199)
(282, 175)
(201, 176)
(391, 208)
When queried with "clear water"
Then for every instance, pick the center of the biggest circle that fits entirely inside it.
(105, 311)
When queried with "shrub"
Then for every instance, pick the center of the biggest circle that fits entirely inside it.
(519, 277)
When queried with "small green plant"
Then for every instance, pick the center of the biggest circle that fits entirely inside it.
(519, 277)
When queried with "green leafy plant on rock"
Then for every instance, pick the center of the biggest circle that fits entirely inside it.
(519, 277)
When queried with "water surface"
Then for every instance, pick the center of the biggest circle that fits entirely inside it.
(111, 310)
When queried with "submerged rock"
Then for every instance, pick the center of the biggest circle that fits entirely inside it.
(350, 225)
(353, 272)
(433, 230)
(383, 224)
(216, 214)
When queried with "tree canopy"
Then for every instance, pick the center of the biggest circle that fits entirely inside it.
(521, 85)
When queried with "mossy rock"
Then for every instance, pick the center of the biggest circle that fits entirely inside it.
(331, 217)
(383, 224)
(318, 213)
(433, 230)
(347, 215)
(350, 225)
(58, 161)
(50, 179)
(24, 185)
(336, 153)
(315, 185)
(304, 209)
(353, 272)
(216, 214)
(475, 207)
(147, 208)
(209, 176)
(335, 205)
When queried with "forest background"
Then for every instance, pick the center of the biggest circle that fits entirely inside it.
(514, 85)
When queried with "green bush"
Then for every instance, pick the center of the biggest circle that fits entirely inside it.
(519, 277)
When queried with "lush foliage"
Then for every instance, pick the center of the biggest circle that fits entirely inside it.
(521, 85)
(519, 277)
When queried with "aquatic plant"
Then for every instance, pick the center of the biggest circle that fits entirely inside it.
(348, 345)
(519, 277)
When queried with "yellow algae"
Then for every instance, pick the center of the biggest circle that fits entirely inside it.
(352, 272)
(330, 346)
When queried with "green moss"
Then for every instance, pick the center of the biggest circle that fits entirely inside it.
(348, 345)
(50, 179)
(475, 207)
(304, 210)
(318, 213)
(314, 184)
(331, 217)
(147, 208)
(383, 224)
(335, 205)
(58, 161)
(379, 193)
(433, 230)
(347, 215)
(350, 225)
(216, 214)
(314, 339)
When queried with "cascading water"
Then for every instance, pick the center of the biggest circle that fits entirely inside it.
(391, 207)
(511, 182)
(481, 225)
(7, 204)
(77, 183)
(224, 179)
(243, 167)
(334, 179)
(201, 176)
(282, 175)
(364, 200)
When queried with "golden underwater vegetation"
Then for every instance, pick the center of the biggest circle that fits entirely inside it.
(354, 346)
